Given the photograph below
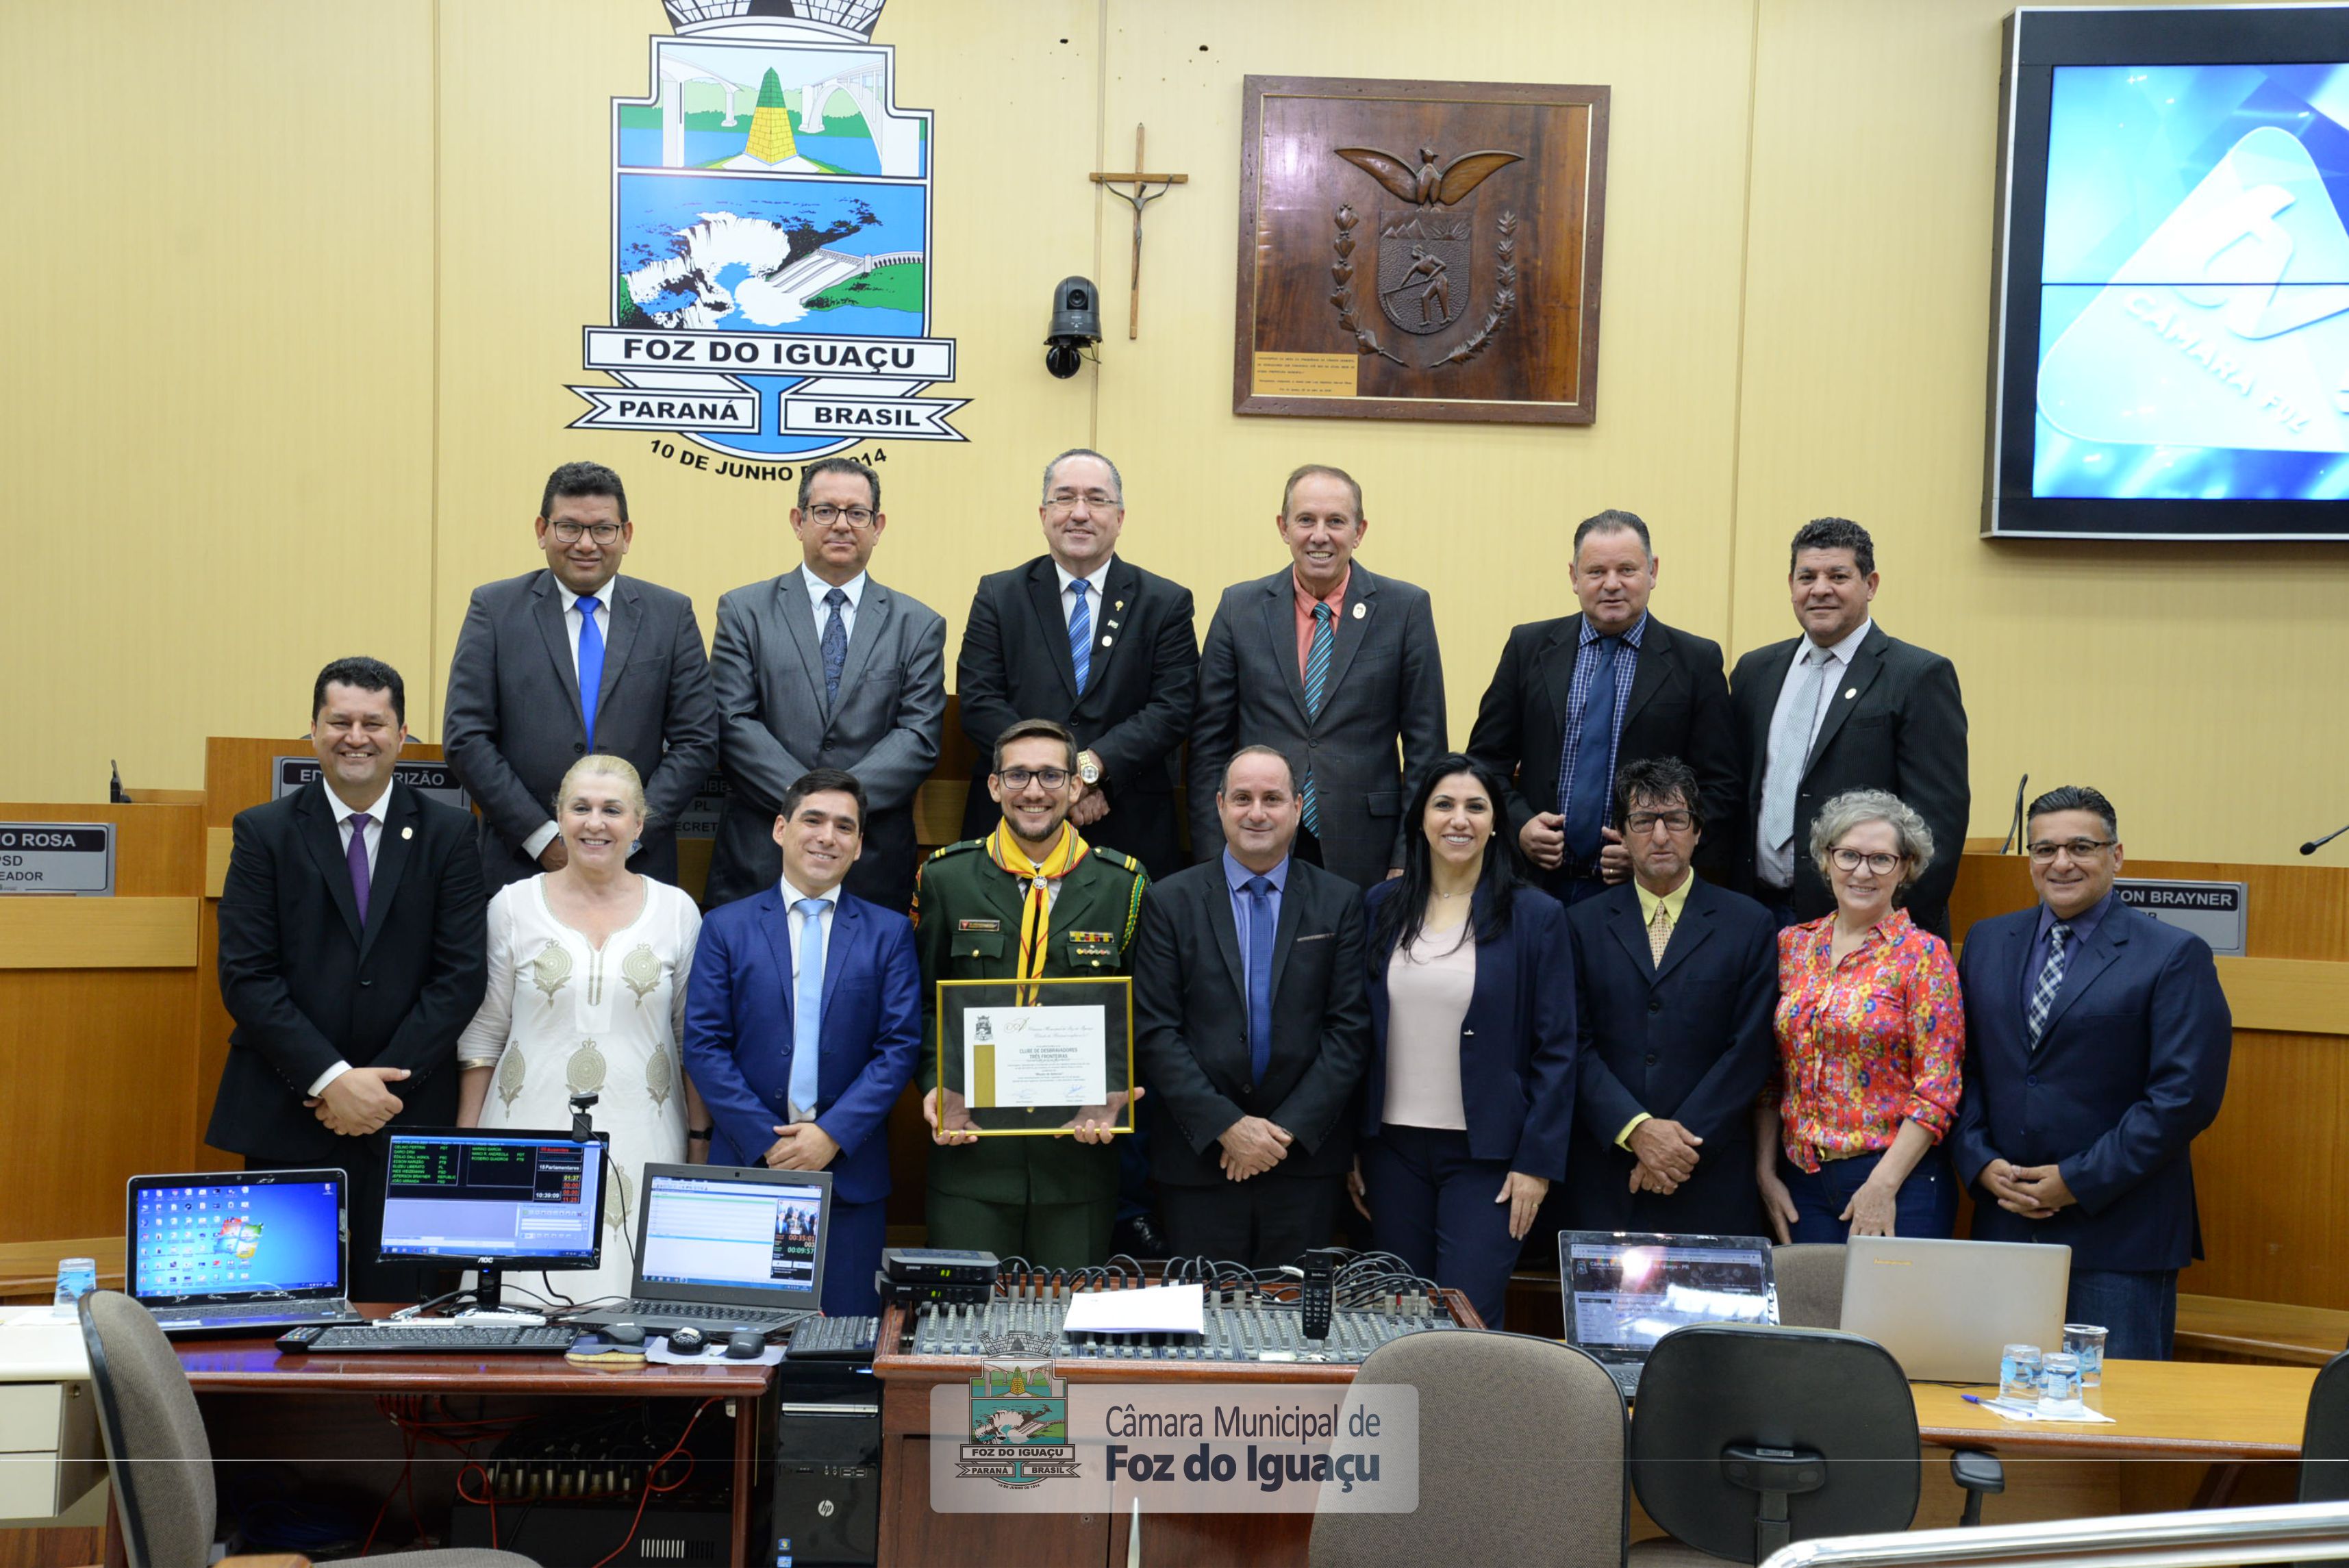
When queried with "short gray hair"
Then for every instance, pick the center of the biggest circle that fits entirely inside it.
(1856, 807)
(1115, 478)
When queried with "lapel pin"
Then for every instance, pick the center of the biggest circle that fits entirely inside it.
(1119, 605)
(408, 832)
(1361, 610)
(1107, 641)
(1849, 693)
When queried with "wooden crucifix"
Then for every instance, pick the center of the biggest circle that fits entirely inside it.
(1141, 196)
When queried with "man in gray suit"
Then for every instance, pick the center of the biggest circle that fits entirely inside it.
(1328, 663)
(574, 658)
(823, 668)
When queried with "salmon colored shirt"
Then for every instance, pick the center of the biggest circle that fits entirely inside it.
(1867, 1044)
(1336, 600)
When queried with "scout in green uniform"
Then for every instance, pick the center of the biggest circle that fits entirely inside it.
(979, 914)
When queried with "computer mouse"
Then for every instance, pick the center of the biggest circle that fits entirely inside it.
(745, 1345)
(688, 1340)
(624, 1333)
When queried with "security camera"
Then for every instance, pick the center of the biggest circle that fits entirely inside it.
(1076, 326)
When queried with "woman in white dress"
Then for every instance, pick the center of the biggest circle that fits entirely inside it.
(587, 972)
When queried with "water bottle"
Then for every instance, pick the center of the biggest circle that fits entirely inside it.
(76, 1278)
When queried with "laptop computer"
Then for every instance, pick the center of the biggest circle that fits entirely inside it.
(238, 1251)
(1627, 1289)
(722, 1247)
(1946, 1309)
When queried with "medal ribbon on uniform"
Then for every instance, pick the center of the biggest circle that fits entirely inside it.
(1035, 919)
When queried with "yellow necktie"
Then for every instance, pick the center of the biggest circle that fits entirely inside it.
(1659, 932)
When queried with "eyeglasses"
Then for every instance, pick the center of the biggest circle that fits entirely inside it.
(1645, 821)
(1064, 500)
(824, 515)
(1021, 777)
(2044, 852)
(1852, 859)
(601, 532)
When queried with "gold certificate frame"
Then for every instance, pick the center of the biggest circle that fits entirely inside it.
(998, 1023)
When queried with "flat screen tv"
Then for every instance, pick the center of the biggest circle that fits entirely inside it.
(2170, 315)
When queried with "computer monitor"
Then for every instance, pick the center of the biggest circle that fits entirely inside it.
(730, 1237)
(1625, 1290)
(513, 1198)
(229, 1236)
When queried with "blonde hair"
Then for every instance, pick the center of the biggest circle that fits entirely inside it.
(619, 768)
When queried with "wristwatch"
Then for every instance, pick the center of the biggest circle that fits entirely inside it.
(698, 1134)
(1089, 768)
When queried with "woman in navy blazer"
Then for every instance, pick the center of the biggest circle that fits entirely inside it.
(1469, 1101)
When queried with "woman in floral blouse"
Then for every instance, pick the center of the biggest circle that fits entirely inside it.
(1871, 1031)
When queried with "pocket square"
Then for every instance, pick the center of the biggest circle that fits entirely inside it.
(1317, 936)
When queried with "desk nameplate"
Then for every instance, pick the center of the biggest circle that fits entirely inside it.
(434, 780)
(57, 858)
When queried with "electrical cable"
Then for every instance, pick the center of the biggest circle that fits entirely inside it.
(652, 1482)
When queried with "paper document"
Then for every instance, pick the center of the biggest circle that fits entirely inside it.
(1154, 1309)
(1031, 1057)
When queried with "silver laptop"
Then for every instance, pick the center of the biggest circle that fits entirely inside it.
(238, 1251)
(1627, 1289)
(1947, 1309)
(722, 1247)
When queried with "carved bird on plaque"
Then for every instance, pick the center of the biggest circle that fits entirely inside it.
(1428, 185)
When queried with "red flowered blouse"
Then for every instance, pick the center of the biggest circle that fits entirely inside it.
(1865, 1044)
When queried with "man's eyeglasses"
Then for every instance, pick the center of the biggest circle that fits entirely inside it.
(1880, 862)
(1050, 778)
(824, 515)
(601, 532)
(2044, 852)
(1645, 821)
(1065, 500)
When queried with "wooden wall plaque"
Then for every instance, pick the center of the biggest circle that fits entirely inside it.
(1420, 250)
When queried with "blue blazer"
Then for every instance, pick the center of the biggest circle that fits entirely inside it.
(2132, 1065)
(1516, 1044)
(738, 1033)
(1691, 1040)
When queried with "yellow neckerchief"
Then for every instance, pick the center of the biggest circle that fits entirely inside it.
(1035, 920)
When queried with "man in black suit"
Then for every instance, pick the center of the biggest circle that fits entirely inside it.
(519, 713)
(1252, 1025)
(353, 951)
(1086, 638)
(1331, 664)
(1576, 698)
(1675, 981)
(1843, 707)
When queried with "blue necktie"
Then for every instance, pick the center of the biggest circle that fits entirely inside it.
(1259, 977)
(1317, 685)
(1081, 636)
(1585, 792)
(807, 1007)
(591, 665)
(835, 646)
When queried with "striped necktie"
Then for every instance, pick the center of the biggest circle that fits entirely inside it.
(1081, 635)
(1317, 691)
(2049, 985)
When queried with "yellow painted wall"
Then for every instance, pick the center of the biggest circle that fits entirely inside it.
(304, 285)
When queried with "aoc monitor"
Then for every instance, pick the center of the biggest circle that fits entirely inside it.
(493, 1201)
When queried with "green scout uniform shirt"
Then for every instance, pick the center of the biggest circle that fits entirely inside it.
(959, 892)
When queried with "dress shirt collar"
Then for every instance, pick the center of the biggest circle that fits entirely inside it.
(604, 595)
(344, 813)
(1591, 633)
(1676, 900)
(1237, 876)
(792, 896)
(1335, 598)
(1842, 652)
(817, 588)
(2083, 924)
(1096, 581)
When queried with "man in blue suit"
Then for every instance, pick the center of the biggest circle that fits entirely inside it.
(1676, 981)
(801, 1024)
(2097, 1047)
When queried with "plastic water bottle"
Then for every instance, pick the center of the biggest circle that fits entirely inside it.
(76, 1278)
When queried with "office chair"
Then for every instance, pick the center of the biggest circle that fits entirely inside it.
(1750, 1436)
(1544, 1414)
(158, 1456)
(1810, 1283)
(2325, 1445)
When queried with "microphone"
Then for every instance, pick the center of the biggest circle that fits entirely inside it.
(2313, 845)
(2013, 840)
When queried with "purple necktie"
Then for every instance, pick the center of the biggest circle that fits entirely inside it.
(359, 859)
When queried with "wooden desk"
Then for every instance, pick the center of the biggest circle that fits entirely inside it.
(2214, 1327)
(221, 1370)
(2196, 1411)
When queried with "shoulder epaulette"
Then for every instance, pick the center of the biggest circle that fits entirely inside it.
(1121, 858)
(958, 847)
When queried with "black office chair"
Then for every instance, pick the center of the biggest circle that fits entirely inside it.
(1747, 1438)
(2325, 1445)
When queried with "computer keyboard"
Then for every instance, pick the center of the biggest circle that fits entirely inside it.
(455, 1339)
(835, 1339)
(693, 1312)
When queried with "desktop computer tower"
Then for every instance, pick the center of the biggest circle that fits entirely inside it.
(826, 1508)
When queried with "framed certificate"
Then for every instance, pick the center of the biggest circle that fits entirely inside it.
(1026, 1059)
